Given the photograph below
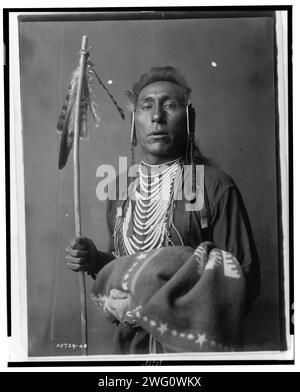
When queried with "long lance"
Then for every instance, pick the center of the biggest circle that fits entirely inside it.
(77, 204)
(72, 124)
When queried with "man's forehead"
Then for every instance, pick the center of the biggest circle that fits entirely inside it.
(161, 89)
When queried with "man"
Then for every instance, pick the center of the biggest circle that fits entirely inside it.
(163, 125)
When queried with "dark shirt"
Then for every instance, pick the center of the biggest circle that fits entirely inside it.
(228, 228)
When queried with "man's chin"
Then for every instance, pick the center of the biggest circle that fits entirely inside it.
(163, 154)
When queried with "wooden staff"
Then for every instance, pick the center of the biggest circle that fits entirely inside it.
(77, 211)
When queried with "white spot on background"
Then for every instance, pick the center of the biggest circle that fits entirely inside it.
(109, 81)
(214, 64)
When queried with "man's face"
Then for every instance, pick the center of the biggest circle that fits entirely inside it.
(160, 121)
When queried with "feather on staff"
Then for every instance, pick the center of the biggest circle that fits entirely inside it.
(88, 105)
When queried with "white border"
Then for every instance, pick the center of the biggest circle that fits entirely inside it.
(18, 341)
(282, 73)
(18, 344)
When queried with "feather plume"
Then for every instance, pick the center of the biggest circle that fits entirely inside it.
(66, 120)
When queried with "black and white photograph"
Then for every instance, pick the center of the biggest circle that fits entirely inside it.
(149, 165)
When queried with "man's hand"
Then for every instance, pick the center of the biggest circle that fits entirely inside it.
(119, 303)
(82, 255)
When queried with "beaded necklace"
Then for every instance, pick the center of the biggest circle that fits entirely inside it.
(145, 223)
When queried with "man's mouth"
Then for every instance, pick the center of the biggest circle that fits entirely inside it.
(159, 136)
(158, 133)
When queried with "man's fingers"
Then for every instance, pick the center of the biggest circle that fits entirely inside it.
(118, 307)
(77, 260)
(76, 267)
(73, 267)
(75, 252)
(118, 294)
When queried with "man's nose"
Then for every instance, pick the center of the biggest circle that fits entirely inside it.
(157, 114)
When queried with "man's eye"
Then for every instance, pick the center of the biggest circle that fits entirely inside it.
(170, 105)
(146, 106)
